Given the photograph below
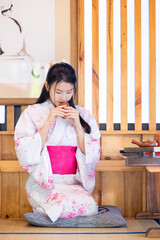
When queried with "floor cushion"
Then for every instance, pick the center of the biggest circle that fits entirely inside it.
(108, 216)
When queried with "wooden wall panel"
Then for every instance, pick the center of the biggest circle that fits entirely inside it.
(109, 65)
(128, 139)
(133, 199)
(95, 59)
(0, 195)
(0, 147)
(152, 66)
(97, 193)
(113, 189)
(144, 191)
(138, 120)
(24, 204)
(153, 199)
(111, 144)
(8, 147)
(147, 137)
(124, 123)
(10, 195)
(114, 143)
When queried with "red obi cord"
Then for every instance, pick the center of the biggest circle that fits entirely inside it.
(63, 159)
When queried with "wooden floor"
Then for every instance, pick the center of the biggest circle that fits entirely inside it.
(11, 229)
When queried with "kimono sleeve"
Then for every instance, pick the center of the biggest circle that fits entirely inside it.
(28, 149)
(88, 161)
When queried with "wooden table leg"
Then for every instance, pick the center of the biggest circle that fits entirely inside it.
(153, 200)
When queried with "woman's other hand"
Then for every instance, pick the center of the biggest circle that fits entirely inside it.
(73, 115)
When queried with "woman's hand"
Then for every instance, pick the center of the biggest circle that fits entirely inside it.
(55, 112)
(73, 115)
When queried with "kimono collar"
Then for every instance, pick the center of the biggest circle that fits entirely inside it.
(50, 104)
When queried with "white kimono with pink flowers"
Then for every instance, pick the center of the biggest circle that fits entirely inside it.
(58, 196)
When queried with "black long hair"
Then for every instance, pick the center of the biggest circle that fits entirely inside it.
(66, 73)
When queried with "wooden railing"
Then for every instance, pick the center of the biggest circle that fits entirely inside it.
(109, 80)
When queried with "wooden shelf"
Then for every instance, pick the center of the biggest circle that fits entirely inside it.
(10, 166)
(115, 166)
(17, 101)
(105, 132)
(6, 132)
(102, 166)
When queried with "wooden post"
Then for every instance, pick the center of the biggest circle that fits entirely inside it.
(95, 59)
(124, 123)
(138, 121)
(81, 89)
(109, 64)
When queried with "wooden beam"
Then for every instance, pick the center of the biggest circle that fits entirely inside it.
(10, 166)
(138, 120)
(152, 66)
(95, 59)
(17, 101)
(10, 118)
(74, 34)
(74, 38)
(81, 83)
(103, 165)
(109, 65)
(6, 132)
(124, 123)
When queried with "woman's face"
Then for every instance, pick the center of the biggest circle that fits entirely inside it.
(62, 92)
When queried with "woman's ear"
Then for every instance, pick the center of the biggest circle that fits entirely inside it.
(46, 86)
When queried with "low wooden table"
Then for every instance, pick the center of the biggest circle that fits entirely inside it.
(153, 188)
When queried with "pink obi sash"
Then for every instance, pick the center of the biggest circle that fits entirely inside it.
(63, 159)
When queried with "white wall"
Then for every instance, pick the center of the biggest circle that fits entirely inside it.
(62, 30)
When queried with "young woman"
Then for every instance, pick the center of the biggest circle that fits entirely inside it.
(59, 147)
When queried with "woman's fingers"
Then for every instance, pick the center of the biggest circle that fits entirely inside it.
(61, 107)
(71, 110)
(65, 112)
(71, 115)
(61, 113)
(58, 112)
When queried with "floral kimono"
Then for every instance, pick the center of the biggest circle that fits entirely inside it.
(62, 194)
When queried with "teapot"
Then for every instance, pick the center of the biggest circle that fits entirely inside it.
(145, 144)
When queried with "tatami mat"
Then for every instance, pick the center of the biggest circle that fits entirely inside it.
(17, 229)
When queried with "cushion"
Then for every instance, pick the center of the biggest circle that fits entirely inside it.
(108, 216)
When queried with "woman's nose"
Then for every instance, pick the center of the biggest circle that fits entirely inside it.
(64, 98)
